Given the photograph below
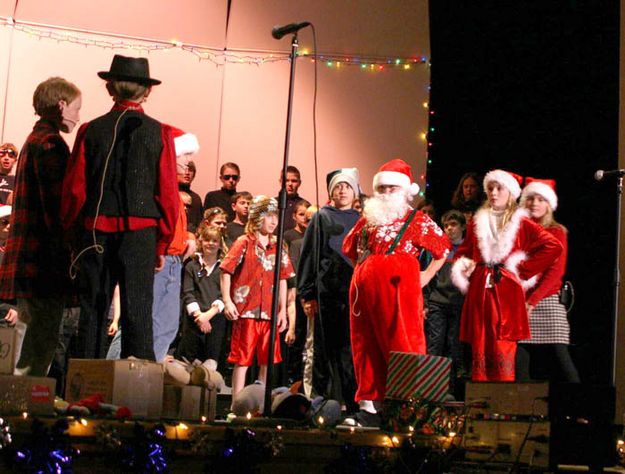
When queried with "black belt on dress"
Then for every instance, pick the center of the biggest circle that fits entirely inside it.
(496, 269)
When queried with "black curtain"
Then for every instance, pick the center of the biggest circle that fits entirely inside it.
(532, 87)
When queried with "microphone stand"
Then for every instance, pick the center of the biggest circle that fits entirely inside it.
(280, 235)
(617, 277)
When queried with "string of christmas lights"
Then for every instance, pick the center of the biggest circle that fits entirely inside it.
(215, 55)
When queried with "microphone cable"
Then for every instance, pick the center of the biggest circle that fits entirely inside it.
(73, 267)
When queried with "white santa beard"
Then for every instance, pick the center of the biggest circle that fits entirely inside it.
(383, 209)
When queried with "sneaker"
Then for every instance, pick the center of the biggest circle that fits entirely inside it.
(364, 419)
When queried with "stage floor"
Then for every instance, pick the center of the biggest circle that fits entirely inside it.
(256, 445)
(251, 445)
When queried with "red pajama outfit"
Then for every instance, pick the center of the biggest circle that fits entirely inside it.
(252, 268)
(386, 303)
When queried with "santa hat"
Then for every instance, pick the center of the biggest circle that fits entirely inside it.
(396, 173)
(511, 181)
(185, 143)
(544, 187)
(5, 211)
(344, 175)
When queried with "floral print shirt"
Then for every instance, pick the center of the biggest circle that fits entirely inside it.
(251, 266)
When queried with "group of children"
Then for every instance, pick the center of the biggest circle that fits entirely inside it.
(115, 202)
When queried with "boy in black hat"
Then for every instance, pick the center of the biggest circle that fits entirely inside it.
(121, 183)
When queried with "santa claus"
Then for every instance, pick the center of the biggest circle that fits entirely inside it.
(386, 304)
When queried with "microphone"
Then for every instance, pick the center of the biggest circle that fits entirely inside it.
(279, 31)
(600, 174)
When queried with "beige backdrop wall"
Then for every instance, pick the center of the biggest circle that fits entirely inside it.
(238, 109)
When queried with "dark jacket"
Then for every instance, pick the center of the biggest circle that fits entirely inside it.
(321, 249)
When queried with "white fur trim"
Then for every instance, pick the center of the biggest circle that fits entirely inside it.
(531, 283)
(512, 264)
(543, 190)
(504, 178)
(496, 250)
(395, 178)
(5, 211)
(186, 144)
(461, 271)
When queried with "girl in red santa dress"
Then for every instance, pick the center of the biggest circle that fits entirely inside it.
(546, 355)
(502, 251)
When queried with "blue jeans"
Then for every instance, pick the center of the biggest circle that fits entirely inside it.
(115, 348)
(166, 305)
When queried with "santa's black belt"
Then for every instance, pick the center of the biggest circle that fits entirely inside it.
(495, 268)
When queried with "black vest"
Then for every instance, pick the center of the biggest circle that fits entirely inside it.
(131, 180)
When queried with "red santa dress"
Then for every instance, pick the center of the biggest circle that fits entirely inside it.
(494, 316)
(386, 303)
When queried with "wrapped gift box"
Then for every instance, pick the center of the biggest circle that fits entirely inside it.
(413, 375)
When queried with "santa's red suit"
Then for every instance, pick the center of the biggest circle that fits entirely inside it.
(505, 262)
(386, 304)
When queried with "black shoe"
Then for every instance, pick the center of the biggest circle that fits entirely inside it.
(364, 419)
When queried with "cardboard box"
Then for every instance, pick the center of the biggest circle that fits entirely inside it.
(413, 375)
(189, 402)
(137, 384)
(20, 393)
(7, 350)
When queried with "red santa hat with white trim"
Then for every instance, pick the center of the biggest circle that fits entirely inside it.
(511, 181)
(543, 187)
(396, 173)
(5, 210)
(185, 144)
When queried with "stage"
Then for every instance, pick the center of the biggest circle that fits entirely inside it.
(261, 445)
(254, 445)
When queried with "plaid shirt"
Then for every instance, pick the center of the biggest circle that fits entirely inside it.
(36, 262)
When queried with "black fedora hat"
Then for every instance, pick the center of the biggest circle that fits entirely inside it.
(124, 68)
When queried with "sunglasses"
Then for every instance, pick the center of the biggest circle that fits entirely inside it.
(11, 153)
(234, 177)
